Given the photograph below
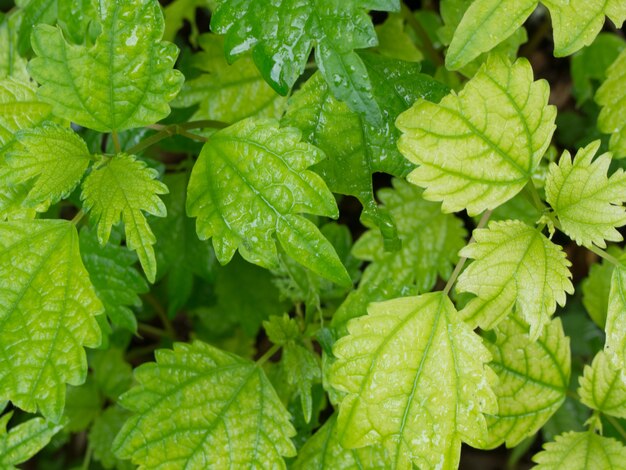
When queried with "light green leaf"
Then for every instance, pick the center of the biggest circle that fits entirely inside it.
(47, 314)
(596, 287)
(588, 204)
(577, 23)
(323, 451)
(50, 157)
(526, 272)
(83, 404)
(500, 122)
(23, 441)
(603, 387)
(111, 373)
(130, 79)
(534, 377)
(356, 149)
(430, 243)
(615, 328)
(611, 96)
(485, 24)
(101, 435)
(281, 329)
(241, 203)
(394, 42)
(11, 63)
(124, 187)
(281, 35)
(113, 276)
(581, 451)
(222, 407)
(228, 93)
(394, 365)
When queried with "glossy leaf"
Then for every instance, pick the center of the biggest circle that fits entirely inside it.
(123, 187)
(603, 387)
(197, 394)
(612, 96)
(588, 204)
(526, 271)
(478, 149)
(241, 204)
(393, 367)
(47, 315)
(534, 378)
(581, 450)
(130, 79)
(21, 442)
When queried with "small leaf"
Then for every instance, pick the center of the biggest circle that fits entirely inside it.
(23, 441)
(615, 327)
(526, 272)
(124, 187)
(241, 204)
(501, 121)
(222, 407)
(394, 42)
(588, 204)
(534, 378)
(581, 450)
(50, 157)
(47, 315)
(603, 387)
(394, 365)
(611, 96)
(124, 80)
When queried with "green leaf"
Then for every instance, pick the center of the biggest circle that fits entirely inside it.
(485, 24)
(501, 121)
(616, 320)
(227, 93)
(588, 204)
(430, 243)
(534, 377)
(50, 157)
(11, 63)
(47, 316)
(222, 407)
(111, 372)
(603, 387)
(84, 403)
(581, 450)
(101, 435)
(612, 96)
(323, 451)
(576, 24)
(394, 365)
(394, 42)
(130, 78)
(179, 11)
(281, 35)
(23, 441)
(113, 276)
(596, 287)
(124, 187)
(356, 149)
(524, 271)
(241, 204)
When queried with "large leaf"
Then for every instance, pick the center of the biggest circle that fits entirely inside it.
(47, 308)
(603, 387)
(241, 203)
(516, 268)
(23, 441)
(582, 451)
(124, 187)
(590, 212)
(124, 80)
(501, 121)
(228, 93)
(534, 377)
(356, 149)
(612, 97)
(394, 365)
(282, 33)
(430, 243)
(221, 406)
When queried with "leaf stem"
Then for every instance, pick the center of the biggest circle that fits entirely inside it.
(87, 459)
(152, 330)
(618, 427)
(116, 142)
(160, 311)
(603, 254)
(459, 266)
(416, 26)
(269, 353)
(79, 215)
(167, 131)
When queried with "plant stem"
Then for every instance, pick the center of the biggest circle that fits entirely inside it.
(167, 131)
(459, 266)
(534, 196)
(116, 142)
(618, 427)
(87, 459)
(152, 330)
(269, 353)
(416, 26)
(79, 215)
(160, 311)
(603, 254)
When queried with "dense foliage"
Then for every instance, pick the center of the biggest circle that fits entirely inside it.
(186, 282)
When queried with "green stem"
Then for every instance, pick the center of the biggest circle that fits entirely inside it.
(152, 330)
(173, 129)
(116, 142)
(416, 26)
(87, 459)
(192, 136)
(603, 254)
(269, 353)
(79, 215)
(162, 314)
(532, 192)
(459, 266)
(618, 427)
